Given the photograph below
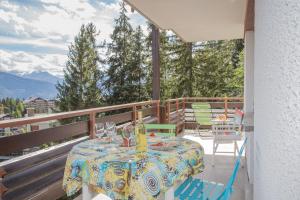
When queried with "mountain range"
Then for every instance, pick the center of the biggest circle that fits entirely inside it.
(23, 86)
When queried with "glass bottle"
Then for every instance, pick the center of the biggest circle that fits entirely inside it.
(140, 134)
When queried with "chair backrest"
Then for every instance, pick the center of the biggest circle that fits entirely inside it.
(228, 189)
(168, 129)
(238, 117)
(202, 112)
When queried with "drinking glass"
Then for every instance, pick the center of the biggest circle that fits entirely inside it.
(128, 133)
(100, 130)
(111, 130)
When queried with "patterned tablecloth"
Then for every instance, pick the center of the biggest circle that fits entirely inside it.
(121, 173)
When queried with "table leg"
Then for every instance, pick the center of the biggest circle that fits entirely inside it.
(89, 195)
(169, 195)
(86, 193)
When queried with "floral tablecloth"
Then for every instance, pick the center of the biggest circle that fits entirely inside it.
(122, 173)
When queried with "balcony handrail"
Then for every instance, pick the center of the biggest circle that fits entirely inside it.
(77, 113)
(45, 168)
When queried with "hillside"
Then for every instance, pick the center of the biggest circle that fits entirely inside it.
(42, 76)
(19, 87)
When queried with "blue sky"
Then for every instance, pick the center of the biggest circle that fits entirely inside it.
(35, 34)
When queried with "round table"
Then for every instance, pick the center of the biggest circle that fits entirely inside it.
(123, 173)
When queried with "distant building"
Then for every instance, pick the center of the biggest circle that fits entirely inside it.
(39, 104)
(8, 130)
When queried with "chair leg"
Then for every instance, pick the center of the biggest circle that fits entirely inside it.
(235, 149)
(213, 158)
(215, 146)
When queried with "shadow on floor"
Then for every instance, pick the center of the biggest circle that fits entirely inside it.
(223, 167)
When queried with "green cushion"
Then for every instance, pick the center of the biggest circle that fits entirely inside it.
(201, 106)
(171, 129)
(160, 126)
(161, 134)
(202, 112)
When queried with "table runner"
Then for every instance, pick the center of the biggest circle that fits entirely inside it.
(122, 173)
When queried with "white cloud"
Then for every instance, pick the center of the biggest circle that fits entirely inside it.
(20, 61)
(51, 25)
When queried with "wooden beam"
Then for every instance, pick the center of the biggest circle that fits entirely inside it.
(155, 64)
(34, 173)
(19, 142)
(26, 161)
(3, 189)
(158, 112)
(2, 172)
(28, 191)
(64, 115)
(117, 118)
(226, 106)
(53, 191)
(134, 115)
(250, 16)
(92, 123)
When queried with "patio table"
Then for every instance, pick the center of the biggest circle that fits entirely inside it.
(123, 173)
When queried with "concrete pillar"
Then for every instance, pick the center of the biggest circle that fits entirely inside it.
(248, 99)
(277, 100)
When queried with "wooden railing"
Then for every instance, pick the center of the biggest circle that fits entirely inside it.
(38, 175)
(179, 111)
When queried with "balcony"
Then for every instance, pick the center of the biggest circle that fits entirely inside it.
(38, 175)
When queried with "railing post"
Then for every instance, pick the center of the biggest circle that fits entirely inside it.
(134, 115)
(158, 111)
(3, 189)
(169, 111)
(177, 109)
(226, 106)
(92, 123)
(2, 172)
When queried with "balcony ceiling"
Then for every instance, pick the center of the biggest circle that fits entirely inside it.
(196, 20)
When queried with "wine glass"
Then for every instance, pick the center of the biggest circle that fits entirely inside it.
(111, 130)
(128, 134)
(100, 130)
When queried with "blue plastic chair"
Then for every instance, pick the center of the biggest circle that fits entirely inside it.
(196, 189)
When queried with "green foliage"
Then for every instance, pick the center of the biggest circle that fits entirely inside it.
(15, 107)
(212, 68)
(137, 74)
(80, 89)
(184, 74)
(125, 58)
(216, 69)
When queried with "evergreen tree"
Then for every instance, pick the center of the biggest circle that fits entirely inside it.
(79, 89)
(216, 69)
(15, 107)
(137, 74)
(184, 68)
(119, 85)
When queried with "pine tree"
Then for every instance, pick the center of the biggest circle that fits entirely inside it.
(136, 76)
(184, 68)
(15, 107)
(217, 65)
(118, 86)
(79, 89)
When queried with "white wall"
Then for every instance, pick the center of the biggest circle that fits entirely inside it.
(277, 100)
(249, 99)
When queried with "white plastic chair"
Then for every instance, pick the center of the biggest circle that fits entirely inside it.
(226, 132)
